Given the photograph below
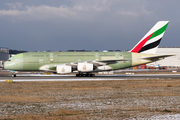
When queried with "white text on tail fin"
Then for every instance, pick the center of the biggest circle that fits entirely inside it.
(150, 42)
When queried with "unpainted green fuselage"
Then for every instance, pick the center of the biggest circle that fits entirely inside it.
(47, 61)
(32, 61)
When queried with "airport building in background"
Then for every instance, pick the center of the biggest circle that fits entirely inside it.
(173, 61)
(4, 55)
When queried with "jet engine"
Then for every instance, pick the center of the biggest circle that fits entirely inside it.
(85, 67)
(63, 69)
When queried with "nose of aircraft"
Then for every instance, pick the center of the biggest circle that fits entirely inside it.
(5, 66)
(8, 65)
(14, 63)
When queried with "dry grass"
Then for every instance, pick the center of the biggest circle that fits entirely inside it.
(55, 115)
(23, 99)
(89, 99)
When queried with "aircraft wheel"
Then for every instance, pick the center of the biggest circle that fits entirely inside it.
(85, 75)
(13, 75)
(92, 75)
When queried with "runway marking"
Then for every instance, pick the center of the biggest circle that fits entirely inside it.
(31, 80)
(98, 75)
(43, 80)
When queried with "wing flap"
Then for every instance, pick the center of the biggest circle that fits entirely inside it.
(113, 60)
(106, 62)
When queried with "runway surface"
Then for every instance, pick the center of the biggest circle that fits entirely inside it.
(40, 77)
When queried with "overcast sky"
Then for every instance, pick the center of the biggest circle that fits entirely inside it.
(84, 24)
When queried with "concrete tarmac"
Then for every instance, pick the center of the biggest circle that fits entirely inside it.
(40, 77)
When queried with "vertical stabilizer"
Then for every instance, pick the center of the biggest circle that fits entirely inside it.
(150, 42)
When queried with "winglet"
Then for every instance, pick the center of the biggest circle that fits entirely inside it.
(150, 42)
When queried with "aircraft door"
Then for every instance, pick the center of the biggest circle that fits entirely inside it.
(96, 56)
(51, 57)
(18, 63)
(117, 55)
(41, 61)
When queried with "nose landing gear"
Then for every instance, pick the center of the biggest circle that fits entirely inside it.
(13, 75)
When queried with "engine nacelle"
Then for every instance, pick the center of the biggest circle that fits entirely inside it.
(104, 67)
(63, 69)
(85, 67)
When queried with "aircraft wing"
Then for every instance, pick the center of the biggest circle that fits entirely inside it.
(97, 63)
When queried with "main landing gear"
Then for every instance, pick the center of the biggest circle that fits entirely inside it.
(85, 75)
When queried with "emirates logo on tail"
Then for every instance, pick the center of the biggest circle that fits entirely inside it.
(150, 42)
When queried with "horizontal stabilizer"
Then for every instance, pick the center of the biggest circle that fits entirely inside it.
(157, 57)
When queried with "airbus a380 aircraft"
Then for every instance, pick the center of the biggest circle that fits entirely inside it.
(85, 63)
